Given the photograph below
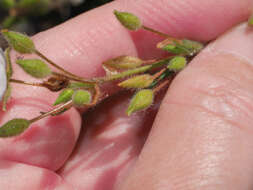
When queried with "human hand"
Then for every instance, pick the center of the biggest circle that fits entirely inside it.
(201, 137)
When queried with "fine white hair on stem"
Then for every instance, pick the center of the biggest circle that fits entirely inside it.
(3, 79)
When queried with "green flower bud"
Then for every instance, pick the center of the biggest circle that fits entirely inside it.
(64, 96)
(250, 20)
(177, 63)
(185, 47)
(193, 47)
(141, 100)
(81, 97)
(123, 63)
(35, 67)
(20, 42)
(170, 46)
(14, 127)
(129, 20)
(140, 81)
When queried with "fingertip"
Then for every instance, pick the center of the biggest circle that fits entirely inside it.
(47, 143)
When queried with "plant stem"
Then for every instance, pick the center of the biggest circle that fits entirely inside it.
(132, 71)
(155, 32)
(89, 81)
(56, 110)
(160, 86)
(57, 66)
(26, 83)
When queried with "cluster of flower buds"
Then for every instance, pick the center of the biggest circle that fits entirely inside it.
(145, 77)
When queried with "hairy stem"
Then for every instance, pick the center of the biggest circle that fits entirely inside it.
(25, 83)
(155, 32)
(57, 66)
(56, 110)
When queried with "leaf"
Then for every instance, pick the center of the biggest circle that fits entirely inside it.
(77, 85)
(14, 127)
(35, 67)
(81, 97)
(177, 63)
(64, 96)
(141, 100)
(20, 42)
(128, 20)
(140, 81)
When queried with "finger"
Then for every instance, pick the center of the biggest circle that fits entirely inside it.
(80, 46)
(17, 176)
(202, 139)
(109, 145)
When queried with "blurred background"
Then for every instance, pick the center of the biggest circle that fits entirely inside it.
(33, 16)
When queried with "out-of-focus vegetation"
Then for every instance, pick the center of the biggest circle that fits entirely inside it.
(32, 16)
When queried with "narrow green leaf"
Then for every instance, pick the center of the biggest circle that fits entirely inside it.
(35, 67)
(140, 81)
(64, 96)
(177, 63)
(141, 100)
(14, 127)
(77, 85)
(129, 20)
(20, 42)
(81, 97)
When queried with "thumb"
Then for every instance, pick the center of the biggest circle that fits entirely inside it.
(202, 139)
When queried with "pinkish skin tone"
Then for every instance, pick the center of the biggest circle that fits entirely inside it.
(192, 143)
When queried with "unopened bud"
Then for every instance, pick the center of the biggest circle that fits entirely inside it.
(185, 47)
(129, 20)
(20, 42)
(140, 81)
(64, 96)
(177, 63)
(81, 97)
(141, 100)
(34, 67)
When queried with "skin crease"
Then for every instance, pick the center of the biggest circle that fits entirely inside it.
(200, 139)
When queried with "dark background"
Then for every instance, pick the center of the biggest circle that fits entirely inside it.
(30, 20)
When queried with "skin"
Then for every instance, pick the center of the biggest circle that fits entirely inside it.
(201, 139)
